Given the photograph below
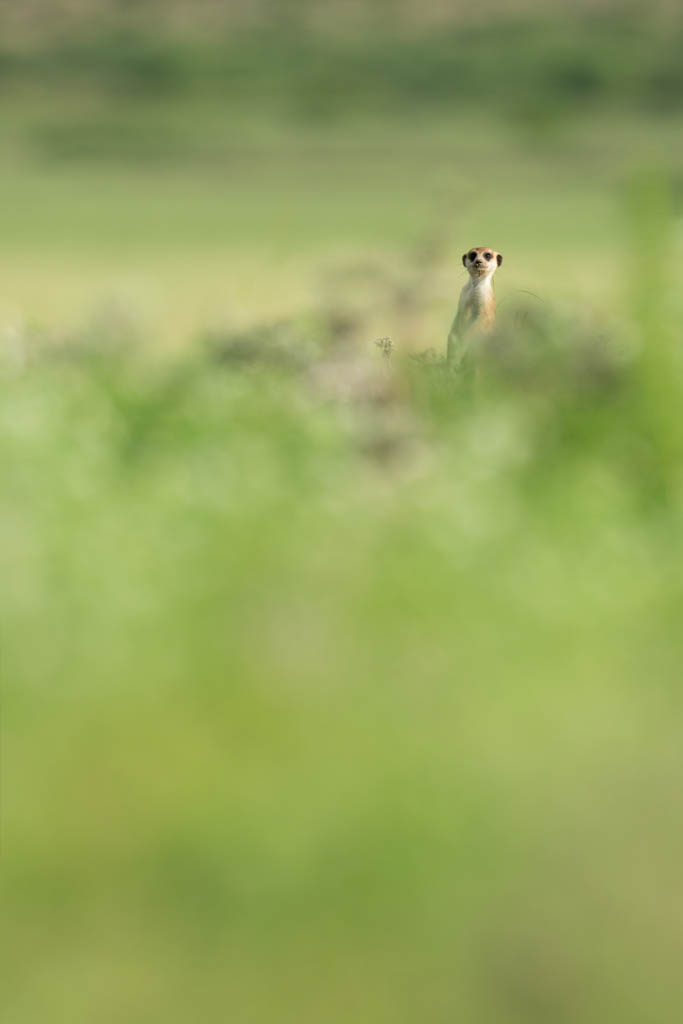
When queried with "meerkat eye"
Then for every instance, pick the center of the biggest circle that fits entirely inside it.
(472, 256)
(488, 256)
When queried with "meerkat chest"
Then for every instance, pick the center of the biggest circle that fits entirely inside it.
(480, 301)
(480, 296)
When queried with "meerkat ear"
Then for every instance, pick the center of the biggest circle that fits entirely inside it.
(499, 258)
(464, 259)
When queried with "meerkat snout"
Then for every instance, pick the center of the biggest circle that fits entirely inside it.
(477, 306)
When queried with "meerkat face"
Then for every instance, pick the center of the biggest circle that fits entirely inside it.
(481, 261)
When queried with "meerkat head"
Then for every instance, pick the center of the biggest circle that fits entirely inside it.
(481, 261)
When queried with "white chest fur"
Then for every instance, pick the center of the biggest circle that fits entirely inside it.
(478, 295)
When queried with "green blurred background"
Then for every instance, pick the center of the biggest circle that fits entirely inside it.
(340, 687)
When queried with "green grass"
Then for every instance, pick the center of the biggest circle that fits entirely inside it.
(247, 218)
(534, 68)
(338, 688)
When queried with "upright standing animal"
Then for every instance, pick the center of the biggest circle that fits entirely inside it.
(477, 305)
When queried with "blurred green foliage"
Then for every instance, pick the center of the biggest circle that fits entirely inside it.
(514, 65)
(351, 674)
(340, 687)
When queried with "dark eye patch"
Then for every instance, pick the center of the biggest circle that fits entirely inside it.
(472, 256)
(488, 256)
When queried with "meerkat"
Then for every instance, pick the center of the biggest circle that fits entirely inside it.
(477, 305)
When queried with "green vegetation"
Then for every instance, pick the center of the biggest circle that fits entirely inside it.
(526, 67)
(338, 687)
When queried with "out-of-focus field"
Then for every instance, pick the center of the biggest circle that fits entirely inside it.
(231, 233)
(338, 687)
(204, 178)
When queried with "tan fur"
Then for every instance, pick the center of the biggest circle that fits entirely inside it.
(477, 305)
